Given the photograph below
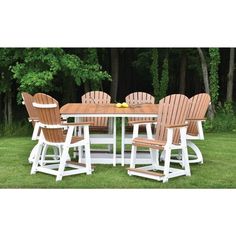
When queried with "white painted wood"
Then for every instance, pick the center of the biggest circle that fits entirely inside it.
(39, 105)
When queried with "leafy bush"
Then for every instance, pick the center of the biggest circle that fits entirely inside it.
(16, 129)
(224, 120)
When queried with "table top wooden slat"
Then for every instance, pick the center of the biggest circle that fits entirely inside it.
(79, 108)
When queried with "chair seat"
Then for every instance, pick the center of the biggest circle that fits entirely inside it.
(192, 133)
(151, 143)
(74, 139)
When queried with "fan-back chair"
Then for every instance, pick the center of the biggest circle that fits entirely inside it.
(102, 126)
(33, 118)
(53, 135)
(171, 128)
(198, 108)
(134, 99)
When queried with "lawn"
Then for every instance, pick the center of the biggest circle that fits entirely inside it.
(218, 170)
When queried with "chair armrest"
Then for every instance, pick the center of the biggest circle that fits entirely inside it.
(197, 119)
(141, 122)
(30, 119)
(176, 126)
(78, 124)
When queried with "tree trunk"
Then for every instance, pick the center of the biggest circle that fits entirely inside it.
(182, 83)
(5, 109)
(206, 81)
(114, 73)
(9, 107)
(86, 86)
(229, 96)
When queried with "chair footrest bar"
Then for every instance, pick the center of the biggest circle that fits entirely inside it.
(77, 164)
(145, 172)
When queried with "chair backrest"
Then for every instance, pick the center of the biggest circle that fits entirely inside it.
(139, 98)
(172, 110)
(28, 102)
(198, 108)
(49, 114)
(97, 97)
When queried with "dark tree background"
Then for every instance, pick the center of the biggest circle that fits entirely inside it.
(68, 73)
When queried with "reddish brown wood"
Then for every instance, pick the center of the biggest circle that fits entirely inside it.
(28, 101)
(198, 108)
(96, 97)
(87, 109)
(50, 116)
(137, 98)
(146, 172)
(172, 112)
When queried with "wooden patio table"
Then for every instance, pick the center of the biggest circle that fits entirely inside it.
(79, 110)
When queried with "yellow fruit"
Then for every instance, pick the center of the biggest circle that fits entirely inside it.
(125, 105)
(118, 105)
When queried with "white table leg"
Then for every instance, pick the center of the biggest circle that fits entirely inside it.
(110, 130)
(75, 153)
(114, 141)
(123, 141)
(80, 147)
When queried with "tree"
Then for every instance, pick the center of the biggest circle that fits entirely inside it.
(183, 67)
(40, 66)
(229, 96)
(164, 78)
(214, 76)
(154, 73)
(8, 56)
(114, 73)
(160, 86)
(205, 79)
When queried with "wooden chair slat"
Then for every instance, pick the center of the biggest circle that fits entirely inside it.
(28, 100)
(97, 97)
(139, 98)
(50, 116)
(172, 110)
(198, 109)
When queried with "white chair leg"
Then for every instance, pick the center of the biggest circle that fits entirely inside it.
(162, 156)
(33, 153)
(114, 141)
(88, 159)
(80, 158)
(123, 141)
(186, 161)
(155, 158)
(36, 158)
(167, 165)
(133, 156)
(56, 153)
(196, 150)
(44, 152)
(62, 164)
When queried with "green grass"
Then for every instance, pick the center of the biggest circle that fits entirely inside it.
(218, 170)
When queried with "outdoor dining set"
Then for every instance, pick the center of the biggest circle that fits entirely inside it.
(172, 124)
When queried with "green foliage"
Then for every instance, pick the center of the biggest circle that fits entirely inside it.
(214, 76)
(227, 108)
(16, 129)
(223, 121)
(160, 86)
(7, 58)
(38, 68)
(164, 79)
(154, 73)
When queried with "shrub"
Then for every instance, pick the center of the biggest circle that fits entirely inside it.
(16, 129)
